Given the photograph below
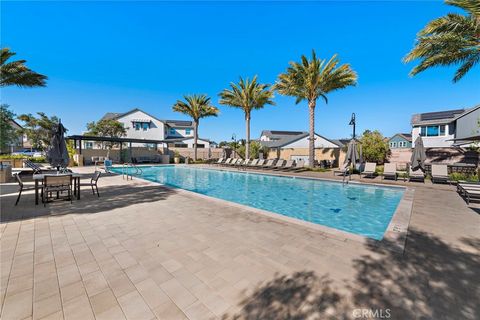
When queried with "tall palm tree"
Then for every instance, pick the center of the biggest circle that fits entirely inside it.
(453, 39)
(197, 107)
(248, 96)
(312, 79)
(16, 73)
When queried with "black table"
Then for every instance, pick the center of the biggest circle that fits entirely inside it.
(76, 183)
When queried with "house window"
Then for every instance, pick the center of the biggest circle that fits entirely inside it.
(181, 145)
(393, 144)
(172, 131)
(137, 126)
(145, 126)
(402, 144)
(188, 131)
(432, 131)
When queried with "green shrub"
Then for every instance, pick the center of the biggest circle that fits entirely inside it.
(11, 157)
(456, 176)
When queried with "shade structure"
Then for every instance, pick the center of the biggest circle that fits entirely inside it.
(57, 154)
(418, 155)
(353, 153)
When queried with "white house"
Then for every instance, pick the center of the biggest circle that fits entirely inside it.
(442, 129)
(142, 125)
(293, 145)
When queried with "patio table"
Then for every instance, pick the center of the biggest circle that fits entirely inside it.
(76, 183)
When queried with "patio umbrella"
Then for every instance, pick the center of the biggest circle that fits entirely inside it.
(57, 154)
(352, 153)
(418, 155)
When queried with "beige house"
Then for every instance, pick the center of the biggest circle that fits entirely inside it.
(293, 145)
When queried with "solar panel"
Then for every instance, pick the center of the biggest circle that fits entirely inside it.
(287, 133)
(440, 115)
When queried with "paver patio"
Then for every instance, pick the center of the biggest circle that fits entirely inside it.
(142, 251)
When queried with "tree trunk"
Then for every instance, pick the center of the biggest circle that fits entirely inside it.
(247, 141)
(195, 138)
(311, 139)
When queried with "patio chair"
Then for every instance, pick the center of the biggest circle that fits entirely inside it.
(469, 191)
(369, 170)
(227, 162)
(416, 175)
(233, 162)
(259, 165)
(440, 173)
(390, 171)
(220, 161)
(277, 166)
(270, 163)
(56, 184)
(35, 167)
(22, 187)
(93, 182)
(288, 165)
(299, 166)
(253, 163)
(342, 169)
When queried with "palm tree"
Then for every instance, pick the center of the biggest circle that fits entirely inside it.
(16, 73)
(453, 39)
(248, 96)
(311, 79)
(197, 107)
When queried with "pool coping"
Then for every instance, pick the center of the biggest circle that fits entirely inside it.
(395, 235)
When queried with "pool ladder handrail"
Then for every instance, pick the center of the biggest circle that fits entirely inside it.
(127, 173)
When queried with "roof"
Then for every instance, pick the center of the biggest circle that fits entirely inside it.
(280, 138)
(171, 123)
(437, 117)
(406, 136)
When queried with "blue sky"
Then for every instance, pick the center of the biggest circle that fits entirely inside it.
(114, 56)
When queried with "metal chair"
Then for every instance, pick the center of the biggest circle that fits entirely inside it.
(93, 182)
(56, 184)
(22, 187)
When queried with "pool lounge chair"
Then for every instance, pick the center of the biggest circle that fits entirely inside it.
(270, 164)
(233, 163)
(389, 171)
(277, 165)
(440, 173)
(225, 162)
(416, 175)
(252, 163)
(469, 190)
(343, 169)
(369, 170)
(288, 165)
(299, 166)
(219, 162)
(259, 165)
(35, 167)
(229, 163)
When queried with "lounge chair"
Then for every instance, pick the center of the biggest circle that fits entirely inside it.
(259, 165)
(342, 169)
(440, 173)
(253, 163)
(288, 165)
(227, 162)
(277, 165)
(390, 171)
(416, 175)
(35, 167)
(298, 167)
(469, 190)
(270, 164)
(233, 163)
(219, 162)
(369, 170)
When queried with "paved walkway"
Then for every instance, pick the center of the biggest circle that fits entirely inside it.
(142, 251)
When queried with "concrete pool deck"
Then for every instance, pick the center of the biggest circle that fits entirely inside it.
(142, 251)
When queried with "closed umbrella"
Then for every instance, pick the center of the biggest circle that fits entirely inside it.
(57, 154)
(418, 155)
(352, 153)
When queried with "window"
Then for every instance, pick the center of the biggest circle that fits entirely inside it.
(137, 126)
(172, 131)
(187, 131)
(181, 145)
(145, 126)
(393, 144)
(433, 131)
(402, 144)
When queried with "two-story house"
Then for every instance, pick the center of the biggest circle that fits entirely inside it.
(142, 125)
(442, 129)
(400, 141)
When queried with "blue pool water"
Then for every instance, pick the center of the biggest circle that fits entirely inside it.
(361, 209)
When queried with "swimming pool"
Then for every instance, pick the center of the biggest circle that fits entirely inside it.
(356, 208)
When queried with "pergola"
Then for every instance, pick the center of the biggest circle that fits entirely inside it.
(120, 141)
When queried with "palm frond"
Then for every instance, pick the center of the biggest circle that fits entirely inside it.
(196, 107)
(16, 73)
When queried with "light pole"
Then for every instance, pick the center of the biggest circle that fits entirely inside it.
(353, 123)
(234, 139)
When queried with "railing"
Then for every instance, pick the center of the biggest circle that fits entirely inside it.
(127, 169)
